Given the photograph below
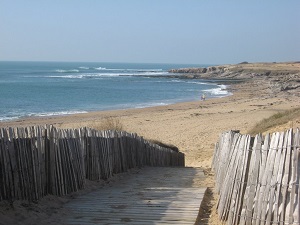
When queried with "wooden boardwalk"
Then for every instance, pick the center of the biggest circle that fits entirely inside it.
(155, 195)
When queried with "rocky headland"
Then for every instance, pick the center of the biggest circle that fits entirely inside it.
(279, 77)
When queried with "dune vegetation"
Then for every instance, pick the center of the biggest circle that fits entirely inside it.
(279, 119)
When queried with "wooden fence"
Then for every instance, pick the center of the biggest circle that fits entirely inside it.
(37, 161)
(258, 179)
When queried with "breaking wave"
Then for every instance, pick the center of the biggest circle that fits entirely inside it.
(67, 71)
(219, 91)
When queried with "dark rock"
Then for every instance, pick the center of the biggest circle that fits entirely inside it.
(268, 73)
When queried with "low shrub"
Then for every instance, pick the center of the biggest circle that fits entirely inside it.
(110, 123)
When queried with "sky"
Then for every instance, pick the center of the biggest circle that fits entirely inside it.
(150, 31)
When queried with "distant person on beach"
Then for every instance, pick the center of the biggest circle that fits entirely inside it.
(203, 97)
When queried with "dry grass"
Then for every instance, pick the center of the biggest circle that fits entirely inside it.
(110, 123)
(276, 120)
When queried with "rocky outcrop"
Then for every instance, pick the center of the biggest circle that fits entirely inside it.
(198, 70)
(281, 77)
(285, 82)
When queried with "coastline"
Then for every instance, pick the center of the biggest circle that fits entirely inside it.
(194, 127)
(220, 91)
(33, 89)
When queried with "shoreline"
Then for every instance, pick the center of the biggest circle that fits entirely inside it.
(59, 88)
(57, 116)
(194, 127)
(89, 115)
(249, 99)
(222, 90)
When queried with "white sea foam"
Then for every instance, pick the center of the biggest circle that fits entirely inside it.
(140, 106)
(68, 76)
(129, 70)
(220, 91)
(56, 113)
(98, 75)
(99, 68)
(150, 73)
(196, 82)
(188, 82)
(223, 86)
(133, 71)
(67, 71)
(7, 118)
(146, 70)
(45, 114)
(84, 68)
(86, 76)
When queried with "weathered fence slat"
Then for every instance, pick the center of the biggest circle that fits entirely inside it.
(259, 183)
(285, 179)
(232, 187)
(37, 161)
(295, 178)
(252, 177)
(297, 155)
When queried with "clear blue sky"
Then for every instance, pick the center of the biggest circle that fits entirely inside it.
(153, 31)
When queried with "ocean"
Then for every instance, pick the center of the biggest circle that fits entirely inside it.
(58, 88)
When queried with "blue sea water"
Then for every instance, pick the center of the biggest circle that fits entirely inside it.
(58, 88)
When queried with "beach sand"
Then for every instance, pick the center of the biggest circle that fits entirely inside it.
(194, 127)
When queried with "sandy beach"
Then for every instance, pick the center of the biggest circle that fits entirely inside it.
(194, 127)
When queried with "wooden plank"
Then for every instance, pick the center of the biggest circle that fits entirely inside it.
(38, 164)
(267, 178)
(242, 177)
(285, 179)
(23, 163)
(262, 167)
(297, 149)
(4, 162)
(148, 197)
(280, 175)
(230, 183)
(18, 151)
(72, 162)
(294, 182)
(33, 162)
(11, 171)
(253, 177)
(261, 180)
(2, 172)
(273, 179)
(78, 155)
